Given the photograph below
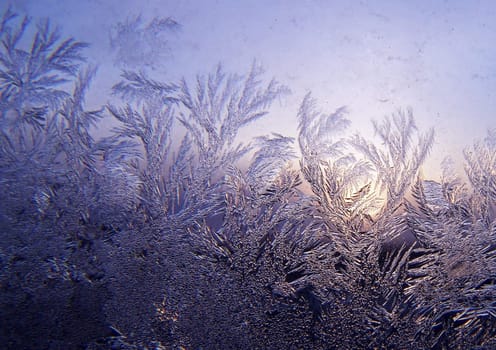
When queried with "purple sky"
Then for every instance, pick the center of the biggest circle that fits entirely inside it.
(437, 57)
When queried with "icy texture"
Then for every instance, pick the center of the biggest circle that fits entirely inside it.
(170, 234)
(142, 44)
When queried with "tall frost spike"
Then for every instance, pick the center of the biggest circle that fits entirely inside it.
(398, 162)
(221, 106)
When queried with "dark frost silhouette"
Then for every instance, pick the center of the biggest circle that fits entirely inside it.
(171, 234)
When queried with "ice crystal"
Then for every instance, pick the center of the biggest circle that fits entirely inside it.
(170, 233)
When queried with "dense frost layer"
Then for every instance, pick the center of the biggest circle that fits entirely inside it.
(170, 234)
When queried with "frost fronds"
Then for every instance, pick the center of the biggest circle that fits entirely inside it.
(399, 160)
(454, 189)
(480, 168)
(42, 125)
(451, 284)
(214, 114)
(73, 127)
(272, 155)
(186, 183)
(255, 224)
(221, 106)
(150, 129)
(317, 131)
(31, 78)
(340, 182)
(211, 243)
(138, 86)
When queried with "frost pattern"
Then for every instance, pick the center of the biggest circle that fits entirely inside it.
(170, 233)
(137, 43)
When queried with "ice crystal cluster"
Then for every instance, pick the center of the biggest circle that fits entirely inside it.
(171, 234)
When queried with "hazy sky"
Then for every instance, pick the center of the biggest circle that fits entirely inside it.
(437, 57)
